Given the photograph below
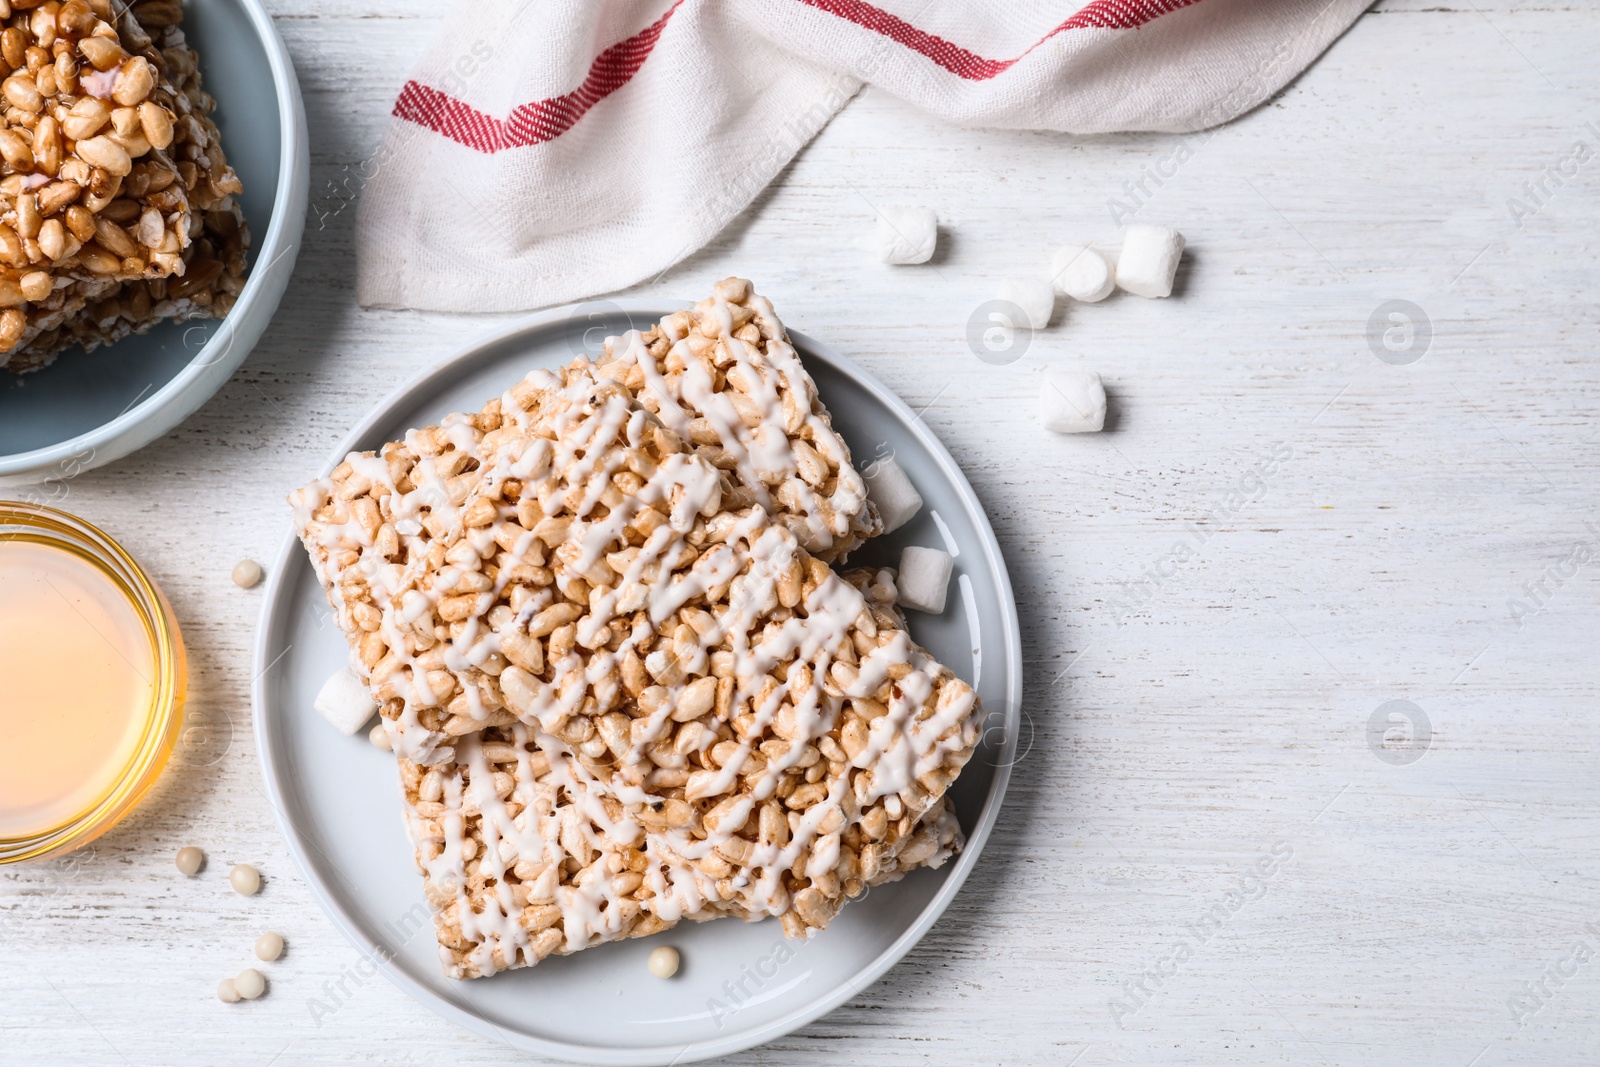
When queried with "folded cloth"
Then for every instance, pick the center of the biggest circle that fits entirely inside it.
(545, 152)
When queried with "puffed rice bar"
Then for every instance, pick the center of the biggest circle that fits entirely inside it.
(576, 441)
(404, 599)
(523, 856)
(117, 205)
(516, 869)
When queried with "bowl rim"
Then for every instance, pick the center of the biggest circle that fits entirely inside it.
(267, 749)
(66, 458)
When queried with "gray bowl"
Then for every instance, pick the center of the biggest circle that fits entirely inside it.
(741, 983)
(86, 410)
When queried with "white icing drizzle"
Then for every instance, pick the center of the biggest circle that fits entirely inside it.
(567, 449)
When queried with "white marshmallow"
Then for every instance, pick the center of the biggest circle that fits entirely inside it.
(1035, 296)
(1072, 401)
(896, 498)
(345, 702)
(907, 234)
(1149, 260)
(924, 578)
(1082, 273)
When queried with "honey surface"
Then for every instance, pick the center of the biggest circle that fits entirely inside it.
(77, 675)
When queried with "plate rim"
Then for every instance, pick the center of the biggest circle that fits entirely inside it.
(205, 374)
(274, 598)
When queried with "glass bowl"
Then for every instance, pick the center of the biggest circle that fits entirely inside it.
(117, 786)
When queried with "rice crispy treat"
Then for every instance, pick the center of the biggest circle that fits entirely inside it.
(117, 204)
(392, 566)
(621, 693)
(523, 856)
(517, 866)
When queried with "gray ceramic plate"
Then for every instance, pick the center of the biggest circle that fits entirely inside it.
(86, 410)
(741, 983)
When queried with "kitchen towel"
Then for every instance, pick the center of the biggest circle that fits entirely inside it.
(550, 150)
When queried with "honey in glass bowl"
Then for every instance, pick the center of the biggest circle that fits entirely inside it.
(92, 678)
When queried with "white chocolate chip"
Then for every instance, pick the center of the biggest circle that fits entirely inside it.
(924, 578)
(250, 983)
(907, 234)
(663, 961)
(245, 879)
(1035, 296)
(1149, 260)
(896, 499)
(345, 702)
(1082, 273)
(227, 992)
(1072, 401)
(379, 738)
(269, 946)
(246, 573)
(190, 860)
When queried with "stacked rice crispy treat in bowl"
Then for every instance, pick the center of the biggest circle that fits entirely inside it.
(623, 682)
(118, 207)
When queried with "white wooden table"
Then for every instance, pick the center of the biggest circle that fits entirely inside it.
(1180, 730)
